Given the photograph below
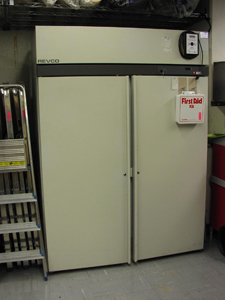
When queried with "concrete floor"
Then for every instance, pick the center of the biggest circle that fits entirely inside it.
(198, 275)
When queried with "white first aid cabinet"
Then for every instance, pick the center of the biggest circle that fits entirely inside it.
(190, 108)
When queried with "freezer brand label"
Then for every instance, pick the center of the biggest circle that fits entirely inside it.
(48, 61)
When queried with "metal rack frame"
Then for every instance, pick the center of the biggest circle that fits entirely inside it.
(13, 227)
(27, 16)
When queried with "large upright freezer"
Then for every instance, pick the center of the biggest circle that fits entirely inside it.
(118, 171)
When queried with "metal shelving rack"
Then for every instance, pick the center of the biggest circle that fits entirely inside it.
(20, 223)
(29, 15)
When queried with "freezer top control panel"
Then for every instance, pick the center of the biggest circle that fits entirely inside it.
(190, 108)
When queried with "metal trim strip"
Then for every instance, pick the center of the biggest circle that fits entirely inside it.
(58, 70)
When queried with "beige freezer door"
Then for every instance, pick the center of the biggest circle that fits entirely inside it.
(169, 191)
(85, 170)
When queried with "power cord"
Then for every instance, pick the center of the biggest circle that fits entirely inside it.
(199, 42)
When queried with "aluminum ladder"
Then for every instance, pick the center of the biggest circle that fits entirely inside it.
(20, 223)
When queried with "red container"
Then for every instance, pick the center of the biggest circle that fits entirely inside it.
(217, 211)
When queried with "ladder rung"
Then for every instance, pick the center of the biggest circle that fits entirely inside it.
(19, 227)
(20, 256)
(17, 198)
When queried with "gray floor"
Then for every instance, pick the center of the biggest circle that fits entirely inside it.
(198, 275)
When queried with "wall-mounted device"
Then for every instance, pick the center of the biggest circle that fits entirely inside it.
(189, 44)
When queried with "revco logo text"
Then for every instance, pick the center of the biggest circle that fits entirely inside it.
(48, 61)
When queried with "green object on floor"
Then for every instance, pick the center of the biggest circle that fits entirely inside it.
(216, 135)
